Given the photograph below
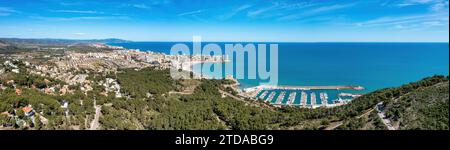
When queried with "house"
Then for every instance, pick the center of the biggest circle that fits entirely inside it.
(28, 111)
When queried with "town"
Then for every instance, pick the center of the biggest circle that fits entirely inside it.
(74, 71)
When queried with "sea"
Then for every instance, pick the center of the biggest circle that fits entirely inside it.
(371, 65)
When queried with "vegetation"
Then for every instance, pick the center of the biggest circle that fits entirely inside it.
(147, 104)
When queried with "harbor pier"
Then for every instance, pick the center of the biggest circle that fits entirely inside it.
(330, 87)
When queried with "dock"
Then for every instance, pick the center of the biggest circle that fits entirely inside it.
(324, 98)
(271, 95)
(331, 87)
(263, 94)
(280, 97)
(313, 99)
(303, 99)
(350, 95)
(291, 98)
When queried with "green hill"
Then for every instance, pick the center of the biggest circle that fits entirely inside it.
(423, 108)
(422, 105)
(152, 100)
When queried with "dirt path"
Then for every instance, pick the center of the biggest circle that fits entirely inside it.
(385, 121)
(94, 123)
(334, 125)
(365, 114)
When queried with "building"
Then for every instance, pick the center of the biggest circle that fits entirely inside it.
(28, 111)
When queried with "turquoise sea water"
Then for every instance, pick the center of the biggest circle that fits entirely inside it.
(371, 65)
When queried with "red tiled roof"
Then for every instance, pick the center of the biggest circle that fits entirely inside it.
(27, 109)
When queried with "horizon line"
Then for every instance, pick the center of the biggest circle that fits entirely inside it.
(79, 39)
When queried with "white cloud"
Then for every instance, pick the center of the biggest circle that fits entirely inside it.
(404, 19)
(270, 11)
(433, 23)
(316, 11)
(77, 11)
(412, 22)
(329, 8)
(260, 11)
(149, 5)
(6, 11)
(235, 12)
(80, 33)
(191, 13)
(77, 18)
(415, 2)
(141, 6)
(443, 6)
(434, 5)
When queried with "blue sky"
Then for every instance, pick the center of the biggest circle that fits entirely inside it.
(229, 20)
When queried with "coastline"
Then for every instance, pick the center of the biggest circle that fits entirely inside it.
(251, 92)
(345, 71)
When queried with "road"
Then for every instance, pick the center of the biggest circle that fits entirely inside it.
(385, 121)
(382, 116)
(94, 123)
(334, 125)
(365, 114)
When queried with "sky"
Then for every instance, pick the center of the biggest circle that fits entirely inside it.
(229, 20)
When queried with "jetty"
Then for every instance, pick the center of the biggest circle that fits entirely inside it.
(313, 99)
(280, 97)
(274, 87)
(291, 98)
(271, 95)
(263, 94)
(303, 99)
(324, 98)
(350, 95)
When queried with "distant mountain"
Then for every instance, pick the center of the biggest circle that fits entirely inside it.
(110, 40)
(28, 42)
(3, 44)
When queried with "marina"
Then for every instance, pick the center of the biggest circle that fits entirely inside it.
(305, 96)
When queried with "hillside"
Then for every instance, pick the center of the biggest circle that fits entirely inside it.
(422, 105)
(52, 46)
(152, 100)
(424, 108)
